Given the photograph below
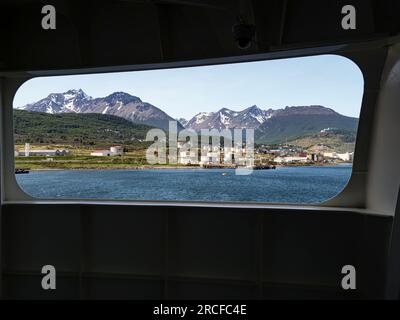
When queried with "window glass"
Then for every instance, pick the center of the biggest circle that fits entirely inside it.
(280, 131)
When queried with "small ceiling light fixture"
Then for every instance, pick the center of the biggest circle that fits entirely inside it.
(243, 33)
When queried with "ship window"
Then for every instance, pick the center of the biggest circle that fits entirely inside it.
(278, 131)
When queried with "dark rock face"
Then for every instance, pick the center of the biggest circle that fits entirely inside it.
(119, 104)
(271, 126)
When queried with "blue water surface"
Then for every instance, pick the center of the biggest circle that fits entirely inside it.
(284, 185)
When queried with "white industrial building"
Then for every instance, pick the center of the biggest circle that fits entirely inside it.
(117, 150)
(210, 158)
(113, 151)
(101, 153)
(346, 156)
(290, 159)
(188, 157)
(28, 152)
(341, 156)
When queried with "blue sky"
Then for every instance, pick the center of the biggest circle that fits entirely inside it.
(328, 80)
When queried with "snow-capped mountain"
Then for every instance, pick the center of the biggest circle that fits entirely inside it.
(274, 126)
(70, 101)
(119, 104)
(270, 126)
(225, 118)
(182, 121)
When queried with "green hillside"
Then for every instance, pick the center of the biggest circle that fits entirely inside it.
(73, 128)
(336, 140)
(281, 129)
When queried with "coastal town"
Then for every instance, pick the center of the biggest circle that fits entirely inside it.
(31, 157)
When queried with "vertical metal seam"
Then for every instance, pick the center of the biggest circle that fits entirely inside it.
(260, 255)
(84, 228)
(166, 255)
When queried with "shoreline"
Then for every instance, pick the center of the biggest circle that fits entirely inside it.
(185, 168)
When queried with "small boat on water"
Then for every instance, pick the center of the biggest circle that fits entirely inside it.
(225, 174)
(267, 167)
(21, 171)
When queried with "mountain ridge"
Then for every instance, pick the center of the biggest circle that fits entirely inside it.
(119, 104)
(271, 126)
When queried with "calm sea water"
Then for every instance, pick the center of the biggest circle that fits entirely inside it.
(285, 185)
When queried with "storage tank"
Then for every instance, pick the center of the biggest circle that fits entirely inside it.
(117, 150)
